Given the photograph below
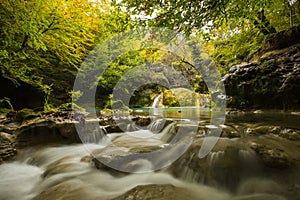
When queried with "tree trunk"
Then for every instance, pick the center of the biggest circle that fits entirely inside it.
(263, 24)
(291, 16)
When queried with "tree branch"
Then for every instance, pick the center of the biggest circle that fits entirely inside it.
(49, 26)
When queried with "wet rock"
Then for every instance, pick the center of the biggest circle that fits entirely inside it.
(9, 128)
(259, 185)
(60, 167)
(142, 121)
(261, 130)
(25, 114)
(7, 147)
(282, 39)
(110, 124)
(45, 132)
(230, 132)
(290, 134)
(130, 155)
(70, 190)
(229, 161)
(271, 156)
(159, 192)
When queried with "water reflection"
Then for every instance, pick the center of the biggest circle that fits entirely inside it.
(175, 112)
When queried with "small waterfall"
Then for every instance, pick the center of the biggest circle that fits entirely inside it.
(249, 162)
(131, 127)
(155, 102)
(95, 136)
(62, 173)
(214, 157)
(157, 125)
(167, 132)
(188, 174)
(233, 171)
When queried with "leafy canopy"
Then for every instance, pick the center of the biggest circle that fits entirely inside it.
(44, 42)
(236, 28)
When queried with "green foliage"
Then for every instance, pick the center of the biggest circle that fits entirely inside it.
(169, 99)
(157, 66)
(5, 105)
(190, 16)
(38, 38)
(75, 95)
(31, 28)
(70, 106)
(236, 27)
(237, 48)
(44, 42)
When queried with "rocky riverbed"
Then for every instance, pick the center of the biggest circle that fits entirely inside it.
(256, 157)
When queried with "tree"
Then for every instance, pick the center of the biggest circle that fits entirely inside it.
(233, 30)
(193, 16)
(44, 42)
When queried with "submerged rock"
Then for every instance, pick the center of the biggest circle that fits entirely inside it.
(70, 190)
(158, 192)
(171, 192)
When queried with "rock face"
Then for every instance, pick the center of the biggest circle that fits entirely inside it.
(282, 39)
(272, 81)
(7, 147)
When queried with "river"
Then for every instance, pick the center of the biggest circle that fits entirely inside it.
(255, 157)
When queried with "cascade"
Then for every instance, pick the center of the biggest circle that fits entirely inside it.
(231, 171)
(155, 102)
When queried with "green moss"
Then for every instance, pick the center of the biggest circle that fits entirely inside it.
(70, 107)
(25, 114)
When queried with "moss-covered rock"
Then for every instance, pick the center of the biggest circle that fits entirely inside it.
(25, 114)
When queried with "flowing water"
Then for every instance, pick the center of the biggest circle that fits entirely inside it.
(155, 102)
(231, 171)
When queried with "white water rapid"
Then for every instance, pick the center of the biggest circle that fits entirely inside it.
(68, 172)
